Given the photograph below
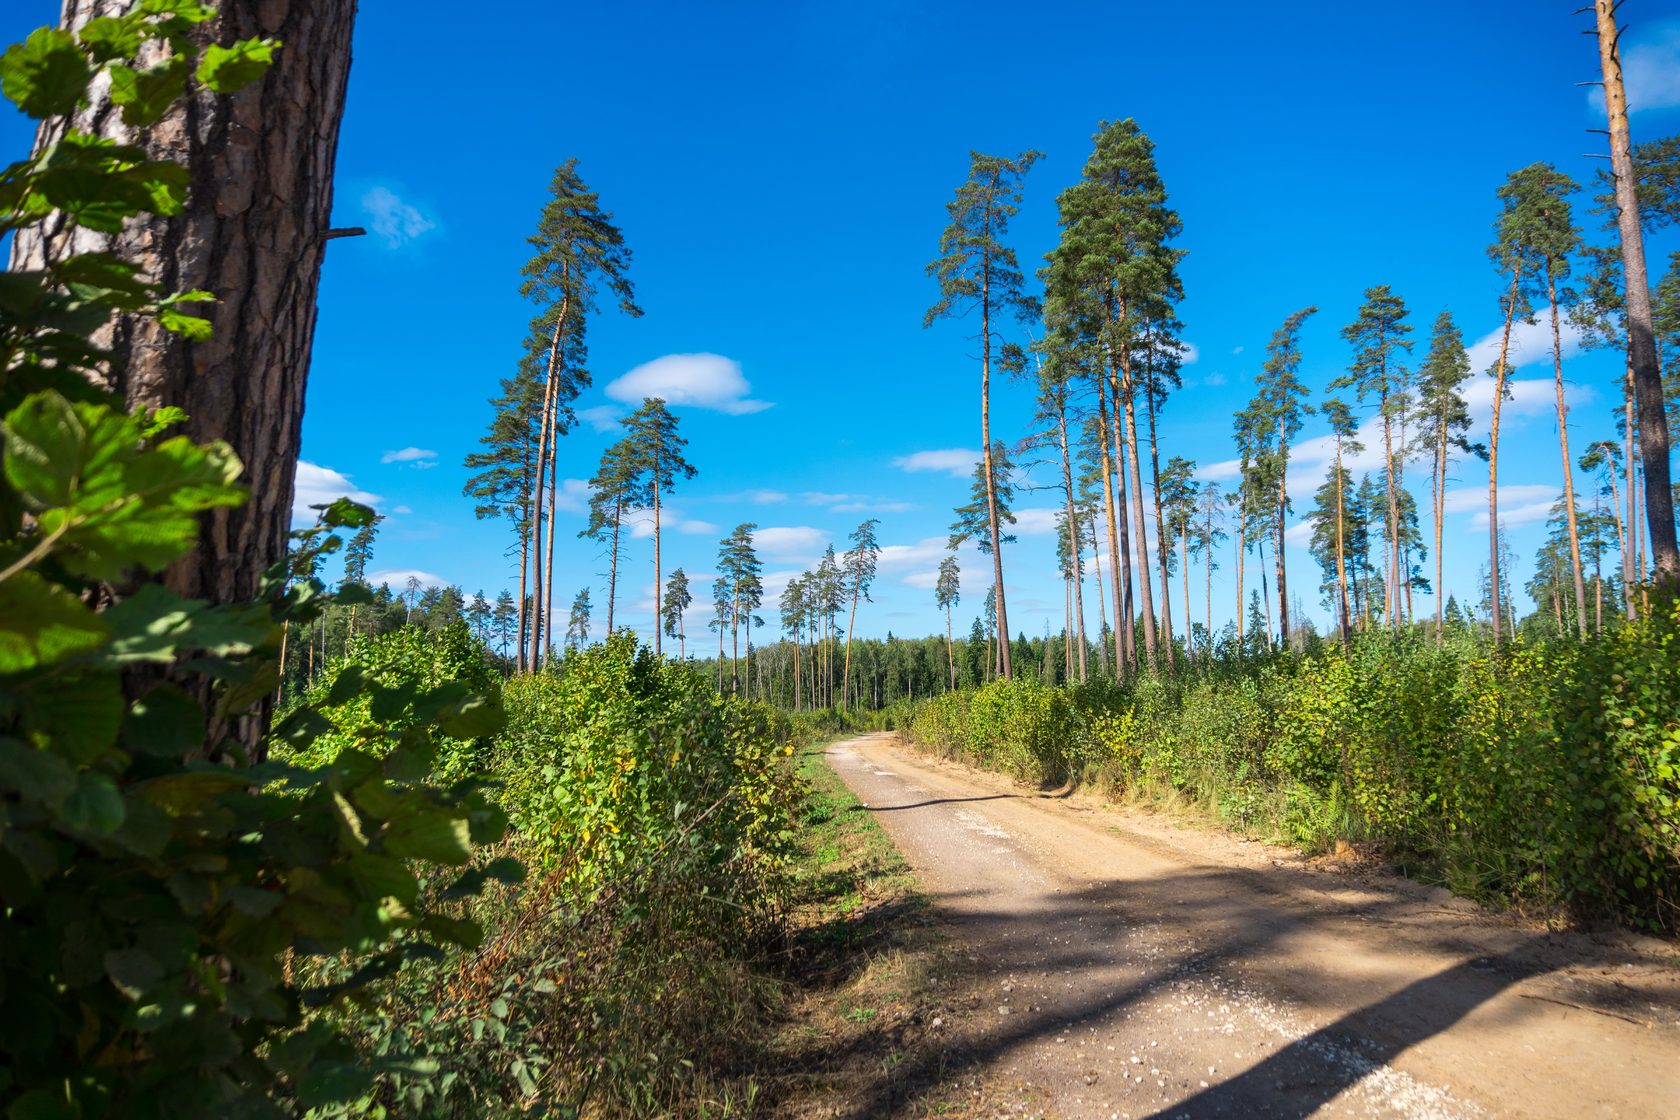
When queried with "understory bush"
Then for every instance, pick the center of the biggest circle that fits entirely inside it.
(1545, 773)
(655, 820)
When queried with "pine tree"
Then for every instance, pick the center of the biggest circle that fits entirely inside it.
(976, 270)
(577, 623)
(505, 484)
(504, 620)
(1510, 254)
(1446, 416)
(1378, 336)
(1209, 533)
(1605, 457)
(1058, 367)
(1343, 428)
(795, 606)
(1549, 238)
(1118, 276)
(477, 614)
(1175, 496)
(859, 563)
(740, 567)
(1643, 367)
(1283, 405)
(577, 252)
(947, 593)
(658, 453)
(619, 486)
(677, 601)
(991, 502)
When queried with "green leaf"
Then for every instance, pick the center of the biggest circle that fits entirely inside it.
(193, 328)
(42, 624)
(473, 718)
(36, 775)
(227, 69)
(146, 95)
(433, 837)
(109, 37)
(343, 513)
(77, 715)
(45, 448)
(40, 1104)
(331, 1083)
(133, 971)
(95, 806)
(46, 74)
(165, 722)
(185, 793)
(453, 931)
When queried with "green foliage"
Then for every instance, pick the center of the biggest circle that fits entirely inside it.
(362, 697)
(1548, 774)
(657, 819)
(162, 899)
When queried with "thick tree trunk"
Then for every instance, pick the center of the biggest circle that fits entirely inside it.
(658, 621)
(1568, 463)
(1631, 572)
(1126, 410)
(1642, 339)
(612, 566)
(1341, 547)
(1113, 532)
(1160, 524)
(1493, 456)
(253, 234)
(1074, 542)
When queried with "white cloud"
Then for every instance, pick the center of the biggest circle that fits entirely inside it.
(1238, 350)
(1035, 522)
(1216, 379)
(398, 578)
(871, 505)
(793, 544)
(1192, 353)
(1468, 499)
(416, 458)
(572, 496)
(1530, 343)
(697, 380)
(317, 485)
(955, 461)
(602, 417)
(671, 520)
(819, 498)
(1299, 534)
(1650, 72)
(402, 509)
(393, 220)
(755, 497)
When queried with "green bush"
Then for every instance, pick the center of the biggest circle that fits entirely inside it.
(657, 820)
(1546, 773)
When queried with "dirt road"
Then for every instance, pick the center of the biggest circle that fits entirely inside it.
(1132, 969)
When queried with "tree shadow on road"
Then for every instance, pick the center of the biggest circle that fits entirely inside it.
(1099, 952)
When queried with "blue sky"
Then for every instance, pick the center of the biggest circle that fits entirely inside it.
(781, 170)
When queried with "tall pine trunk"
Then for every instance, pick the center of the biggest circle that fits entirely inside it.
(1642, 339)
(1500, 370)
(1113, 537)
(986, 454)
(1074, 542)
(1631, 573)
(1568, 464)
(1140, 518)
(612, 564)
(1341, 545)
(1160, 523)
(657, 573)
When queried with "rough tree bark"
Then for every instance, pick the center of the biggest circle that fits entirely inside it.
(1642, 340)
(1500, 371)
(253, 233)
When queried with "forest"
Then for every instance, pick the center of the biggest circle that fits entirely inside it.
(283, 835)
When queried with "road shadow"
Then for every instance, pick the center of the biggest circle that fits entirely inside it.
(1088, 934)
(933, 801)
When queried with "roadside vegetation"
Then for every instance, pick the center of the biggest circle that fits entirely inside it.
(1546, 774)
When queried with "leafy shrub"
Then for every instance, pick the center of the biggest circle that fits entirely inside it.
(657, 818)
(407, 662)
(1545, 773)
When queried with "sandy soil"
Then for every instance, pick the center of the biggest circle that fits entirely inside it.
(1122, 967)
